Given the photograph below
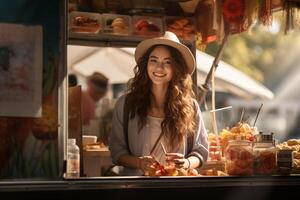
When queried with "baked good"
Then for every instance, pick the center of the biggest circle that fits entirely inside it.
(145, 27)
(118, 25)
(182, 27)
(118, 22)
(84, 24)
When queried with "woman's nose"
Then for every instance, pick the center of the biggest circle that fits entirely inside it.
(160, 65)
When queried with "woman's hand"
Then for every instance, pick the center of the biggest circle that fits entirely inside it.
(147, 163)
(178, 159)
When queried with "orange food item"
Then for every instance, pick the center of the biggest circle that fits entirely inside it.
(192, 172)
(239, 160)
(182, 172)
(170, 170)
(265, 162)
(141, 23)
(239, 130)
(214, 147)
(182, 27)
(144, 27)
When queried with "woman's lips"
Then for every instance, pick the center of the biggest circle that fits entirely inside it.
(159, 74)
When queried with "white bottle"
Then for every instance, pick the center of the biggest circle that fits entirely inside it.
(73, 159)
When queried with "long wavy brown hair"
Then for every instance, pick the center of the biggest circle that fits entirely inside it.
(179, 108)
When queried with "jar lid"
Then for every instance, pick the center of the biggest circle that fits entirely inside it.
(261, 137)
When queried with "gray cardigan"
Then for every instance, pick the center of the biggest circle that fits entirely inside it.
(118, 147)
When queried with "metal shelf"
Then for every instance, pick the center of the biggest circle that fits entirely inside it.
(106, 40)
(103, 40)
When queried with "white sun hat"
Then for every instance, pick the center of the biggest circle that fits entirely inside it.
(169, 39)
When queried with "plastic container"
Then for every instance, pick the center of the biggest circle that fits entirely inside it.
(89, 139)
(73, 159)
(145, 26)
(239, 157)
(265, 155)
(183, 27)
(85, 22)
(116, 24)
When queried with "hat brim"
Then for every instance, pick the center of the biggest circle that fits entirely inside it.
(184, 50)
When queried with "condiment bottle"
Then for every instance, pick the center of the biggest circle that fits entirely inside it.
(73, 159)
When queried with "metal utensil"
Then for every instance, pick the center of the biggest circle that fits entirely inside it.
(163, 147)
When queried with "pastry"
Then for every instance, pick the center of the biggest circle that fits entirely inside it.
(118, 22)
(182, 27)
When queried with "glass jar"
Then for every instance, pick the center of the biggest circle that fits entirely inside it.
(264, 151)
(73, 159)
(239, 157)
(214, 148)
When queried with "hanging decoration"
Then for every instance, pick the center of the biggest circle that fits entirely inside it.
(265, 14)
(199, 44)
(252, 8)
(292, 19)
(234, 15)
(204, 16)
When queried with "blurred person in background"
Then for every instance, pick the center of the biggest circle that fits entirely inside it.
(72, 79)
(97, 86)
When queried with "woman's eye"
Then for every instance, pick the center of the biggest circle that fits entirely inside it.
(168, 62)
(153, 61)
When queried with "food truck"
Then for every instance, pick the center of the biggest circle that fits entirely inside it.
(39, 112)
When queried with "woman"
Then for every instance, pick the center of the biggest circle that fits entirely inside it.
(163, 112)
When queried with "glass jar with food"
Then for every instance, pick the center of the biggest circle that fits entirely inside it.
(264, 151)
(239, 157)
(214, 148)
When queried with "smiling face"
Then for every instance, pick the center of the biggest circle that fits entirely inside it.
(159, 66)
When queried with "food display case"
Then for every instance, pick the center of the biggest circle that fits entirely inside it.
(117, 24)
(85, 22)
(183, 27)
(145, 26)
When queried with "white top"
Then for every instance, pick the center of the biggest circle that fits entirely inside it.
(141, 143)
